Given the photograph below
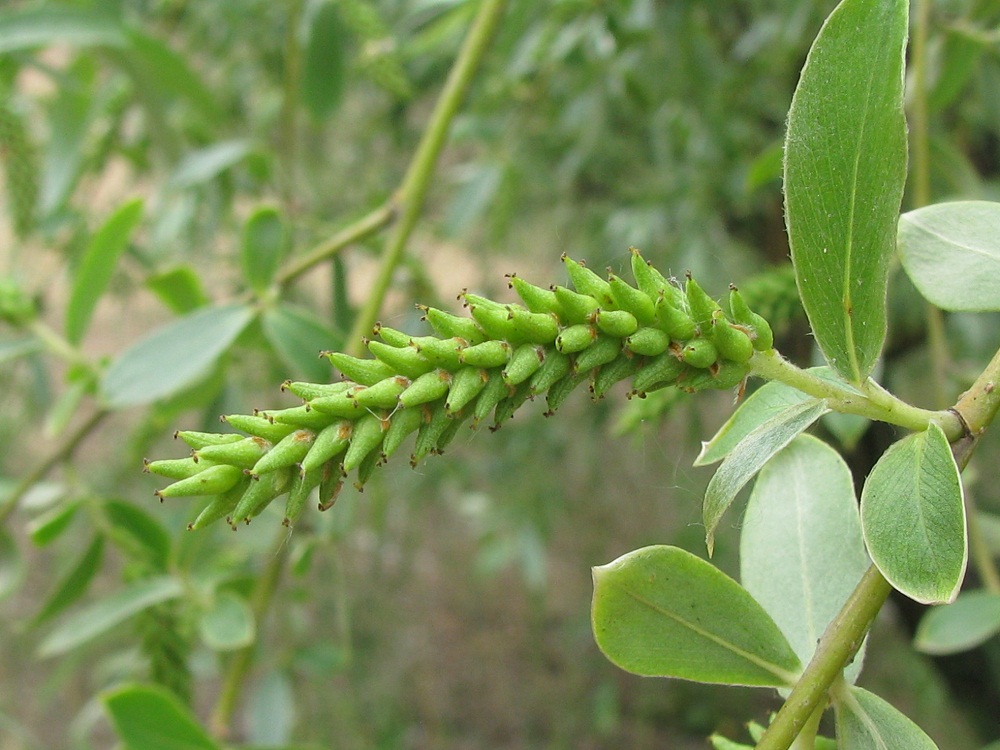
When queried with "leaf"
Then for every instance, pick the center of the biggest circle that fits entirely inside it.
(229, 624)
(179, 288)
(173, 357)
(11, 564)
(298, 337)
(70, 114)
(866, 722)
(951, 254)
(270, 714)
(104, 614)
(205, 164)
(149, 717)
(660, 611)
(74, 584)
(801, 548)
(11, 350)
(97, 266)
(263, 245)
(58, 24)
(845, 166)
(749, 455)
(137, 533)
(324, 67)
(48, 526)
(913, 516)
(972, 619)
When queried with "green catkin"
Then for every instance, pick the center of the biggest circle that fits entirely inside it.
(598, 354)
(176, 468)
(329, 443)
(299, 417)
(587, 282)
(428, 387)
(674, 321)
(212, 481)
(555, 367)
(559, 391)
(428, 435)
(443, 353)
(617, 323)
(763, 336)
(259, 426)
(260, 493)
(309, 391)
(578, 308)
(391, 336)
(243, 453)
(536, 299)
(196, 440)
(535, 328)
(363, 371)
(382, 395)
(497, 323)
(658, 372)
(367, 436)
(221, 506)
(401, 424)
(449, 326)
(629, 298)
(289, 451)
(576, 338)
(495, 391)
(732, 342)
(699, 353)
(649, 342)
(466, 384)
(650, 281)
(526, 360)
(303, 484)
(625, 366)
(342, 406)
(330, 486)
(700, 305)
(488, 354)
(404, 360)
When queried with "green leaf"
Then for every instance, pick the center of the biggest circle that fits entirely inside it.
(866, 722)
(298, 337)
(913, 516)
(11, 564)
(205, 164)
(104, 614)
(47, 527)
(97, 266)
(173, 357)
(137, 533)
(749, 455)
(70, 114)
(74, 584)
(660, 611)
(845, 166)
(263, 245)
(801, 548)
(972, 619)
(323, 70)
(229, 624)
(149, 717)
(951, 253)
(58, 24)
(179, 288)
(11, 350)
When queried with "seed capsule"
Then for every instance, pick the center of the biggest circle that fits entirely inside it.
(587, 282)
(474, 300)
(658, 372)
(300, 417)
(243, 453)
(699, 353)
(555, 367)
(625, 366)
(763, 336)
(647, 278)
(576, 338)
(401, 424)
(391, 336)
(535, 328)
(617, 323)
(700, 305)
(558, 392)
(727, 374)
(495, 391)
(365, 470)
(497, 323)
(466, 384)
(536, 299)
(198, 440)
(602, 351)
(212, 481)
(367, 436)
(403, 361)
(649, 342)
(176, 468)
(290, 450)
(447, 325)
(441, 352)
(329, 443)
(428, 434)
(363, 371)
(526, 360)
(382, 395)
(330, 486)
(309, 391)
(579, 308)
(303, 484)
(342, 406)
(457, 419)
(488, 354)
(733, 343)
(506, 408)
(258, 426)
(221, 506)
(674, 321)
(428, 387)
(629, 298)
(260, 493)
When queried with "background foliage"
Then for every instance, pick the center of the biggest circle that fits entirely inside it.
(168, 158)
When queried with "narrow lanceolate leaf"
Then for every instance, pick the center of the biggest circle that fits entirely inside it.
(801, 548)
(747, 458)
(913, 515)
(149, 717)
(951, 254)
(263, 246)
(97, 266)
(662, 612)
(866, 722)
(972, 619)
(845, 166)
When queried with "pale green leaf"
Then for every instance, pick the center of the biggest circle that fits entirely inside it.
(845, 166)
(866, 722)
(271, 710)
(228, 624)
(750, 454)
(298, 337)
(11, 564)
(801, 548)
(179, 288)
(149, 717)
(972, 619)
(263, 245)
(198, 167)
(173, 357)
(661, 611)
(324, 66)
(913, 515)
(58, 24)
(74, 583)
(951, 252)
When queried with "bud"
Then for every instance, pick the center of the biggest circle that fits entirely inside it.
(363, 371)
(329, 443)
(555, 367)
(536, 299)
(658, 372)
(290, 450)
(578, 308)
(367, 436)
(176, 468)
(391, 336)
(700, 305)
(629, 298)
(647, 278)
(762, 335)
(213, 480)
(221, 506)
(674, 321)
(299, 417)
(526, 360)
(466, 384)
(428, 387)
(732, 342)
(488, 354)
(699, 353)
(198, 440)
(404, 361)
(309, 391)
(382, 395)
(602, 351)
(401, 424)
(259, 427)
(625, 366)
(649, 342)
(259, 494)
(576, 338)
(243, 453)
(587, 282)
(443, 353)
(617, 323)
(447, 325)
(535, 328)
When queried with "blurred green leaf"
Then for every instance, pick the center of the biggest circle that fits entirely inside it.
(149, 717)
(298, 337)
(866, 722)
(324, 67)
(179, 288)
(104, 614)
(913, 515)
(97, 266)
(845, 166)
(11, 564)
(271, 705)
(58, 24)
(264, 242)
(137, 532)
(47, 527)
(801, 548)
(173, 357)
(69, 118)
(198, 167)
(21, 167)
(972, 619)
(74, 583)
(11, 350)
(662, 612)
(951, 252)
(229, 624)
